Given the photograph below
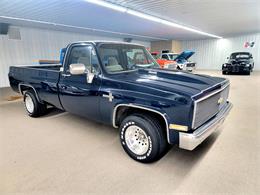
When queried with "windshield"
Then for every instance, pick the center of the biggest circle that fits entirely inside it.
(240, 55)
(173, 56)
(123, 57)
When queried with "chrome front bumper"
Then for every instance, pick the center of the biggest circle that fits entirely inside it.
(189, 141)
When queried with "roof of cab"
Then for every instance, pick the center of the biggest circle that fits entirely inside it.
(98, 42)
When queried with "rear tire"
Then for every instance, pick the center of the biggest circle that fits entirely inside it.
(224, 72)
(142, 138)
(33, 107)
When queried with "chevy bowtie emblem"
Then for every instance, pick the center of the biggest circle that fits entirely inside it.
(220, 100)
(109, 96)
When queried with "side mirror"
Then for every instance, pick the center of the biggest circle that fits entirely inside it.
(227, 57)
(77, 69)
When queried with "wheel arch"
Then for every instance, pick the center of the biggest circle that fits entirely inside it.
(22, 87)
(121, 110)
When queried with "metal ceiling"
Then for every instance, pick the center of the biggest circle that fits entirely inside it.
(220, 17)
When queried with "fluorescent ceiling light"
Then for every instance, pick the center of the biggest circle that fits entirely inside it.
(149, 17)
(108, 5)
(142, 15)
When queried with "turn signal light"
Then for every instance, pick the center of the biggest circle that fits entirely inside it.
(178, 127)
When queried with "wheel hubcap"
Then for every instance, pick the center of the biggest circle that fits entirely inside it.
(29, 103)
(136, 140)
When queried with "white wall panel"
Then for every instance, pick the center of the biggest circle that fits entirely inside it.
(212, 53)
(38, 44)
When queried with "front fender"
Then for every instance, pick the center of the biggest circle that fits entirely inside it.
(145, 108)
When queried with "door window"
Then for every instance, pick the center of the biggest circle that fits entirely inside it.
(84, 55)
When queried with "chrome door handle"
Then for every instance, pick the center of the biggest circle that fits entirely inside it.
(65, 75)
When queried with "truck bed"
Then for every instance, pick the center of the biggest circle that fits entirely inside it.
(43, 78)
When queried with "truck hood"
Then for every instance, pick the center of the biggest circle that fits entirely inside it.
(185, 55)
(169, 82)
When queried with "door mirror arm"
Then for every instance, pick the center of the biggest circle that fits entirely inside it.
(90, 76)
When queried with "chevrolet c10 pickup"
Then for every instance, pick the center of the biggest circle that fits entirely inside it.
(122, 85)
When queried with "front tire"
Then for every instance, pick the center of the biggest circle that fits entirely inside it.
(33, 107)
(142, 138)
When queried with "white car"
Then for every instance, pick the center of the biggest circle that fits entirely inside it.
(181, 59)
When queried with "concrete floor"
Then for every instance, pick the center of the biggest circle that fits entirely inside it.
(64, 154)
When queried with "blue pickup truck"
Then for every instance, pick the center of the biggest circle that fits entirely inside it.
(122, 85)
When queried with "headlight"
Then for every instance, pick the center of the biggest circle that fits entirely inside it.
(247, 65)
(224, 65)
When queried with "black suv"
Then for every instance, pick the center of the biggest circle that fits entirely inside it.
(239, 62)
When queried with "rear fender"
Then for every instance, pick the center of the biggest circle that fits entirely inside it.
(22, 87)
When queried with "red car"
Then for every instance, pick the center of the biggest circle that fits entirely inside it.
(164, 63)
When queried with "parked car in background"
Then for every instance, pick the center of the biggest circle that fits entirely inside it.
(122, 85)
(164, 63)
(239, 62)
(180, 61)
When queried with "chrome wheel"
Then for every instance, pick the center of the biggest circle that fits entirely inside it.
(29, 104)
(136, 140)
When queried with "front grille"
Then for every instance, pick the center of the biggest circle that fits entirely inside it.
(235, 68)
(206, 108)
